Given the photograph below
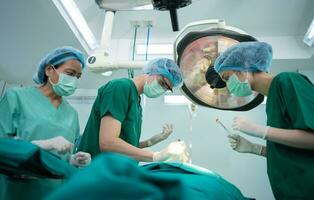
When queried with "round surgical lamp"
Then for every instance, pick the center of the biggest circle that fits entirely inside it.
(195, 51)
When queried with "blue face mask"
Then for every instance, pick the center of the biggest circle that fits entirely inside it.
(153, 90)
(237, 87)
(66, 85)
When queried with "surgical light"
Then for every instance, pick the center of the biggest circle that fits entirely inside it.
(146, 7)
(195, 50)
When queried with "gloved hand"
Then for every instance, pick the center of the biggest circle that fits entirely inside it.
(174, 152)
(80, 159)
(59, 143)
(247, 126)
(166, 131)
(242, 145)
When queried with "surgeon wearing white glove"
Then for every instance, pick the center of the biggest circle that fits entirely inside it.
(80, 159)
(166, 132)
(174, 152)
(59, 144)
(242, 145)
(63, 146)
(249, 127)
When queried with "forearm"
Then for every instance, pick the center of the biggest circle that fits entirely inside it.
(152, 141)
(120, 146)
(293, 138)
(145, 144)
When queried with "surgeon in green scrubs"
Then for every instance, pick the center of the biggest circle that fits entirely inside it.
(290, 123)
(114, 124)
(40, 114)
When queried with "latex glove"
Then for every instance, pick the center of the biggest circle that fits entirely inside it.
(174, 152)
(249, 127)
(60, 144)
(166, 131)
(242, 145)
(80, 159)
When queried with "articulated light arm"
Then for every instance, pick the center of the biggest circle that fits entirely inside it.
(100, 61)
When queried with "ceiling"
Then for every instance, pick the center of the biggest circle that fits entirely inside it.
(29, 29)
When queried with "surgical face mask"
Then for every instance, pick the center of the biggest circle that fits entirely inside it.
(66, 84)
(239, 88)
(153, 89)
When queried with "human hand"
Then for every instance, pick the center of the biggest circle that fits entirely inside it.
(249, 127)
(174, 152)
(242, 145)
(80, 159)
(167, 129)
(166, 132)
(59, 143)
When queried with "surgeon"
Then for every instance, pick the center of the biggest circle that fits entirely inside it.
(290, 123)
(40, 114)
(114, 124)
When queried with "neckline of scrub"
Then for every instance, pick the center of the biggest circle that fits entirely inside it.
(47, 100)
(138, 96)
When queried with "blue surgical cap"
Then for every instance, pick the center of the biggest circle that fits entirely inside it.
(245, 56)
(166, 68)
(55, 57)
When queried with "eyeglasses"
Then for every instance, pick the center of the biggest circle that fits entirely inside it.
(68, 72)
(164, 84)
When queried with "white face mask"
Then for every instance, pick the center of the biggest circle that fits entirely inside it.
(66, 84)
(153, 89)
(237, 87)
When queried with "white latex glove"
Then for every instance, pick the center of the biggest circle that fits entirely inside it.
(242, 145)
(174, 152)
(166, 131)
(249, 127)
(60, 144)
(80, 159)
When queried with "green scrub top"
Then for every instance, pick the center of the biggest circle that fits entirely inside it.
(290, 105)
(29, 114)
(120, 99)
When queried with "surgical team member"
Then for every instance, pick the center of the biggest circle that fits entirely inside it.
(40, 114)
(290, 123)
(114, 124)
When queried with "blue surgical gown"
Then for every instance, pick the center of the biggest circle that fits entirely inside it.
(29, 114)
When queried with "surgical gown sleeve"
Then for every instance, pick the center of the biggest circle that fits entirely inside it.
(8, 114)
(114, 100)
